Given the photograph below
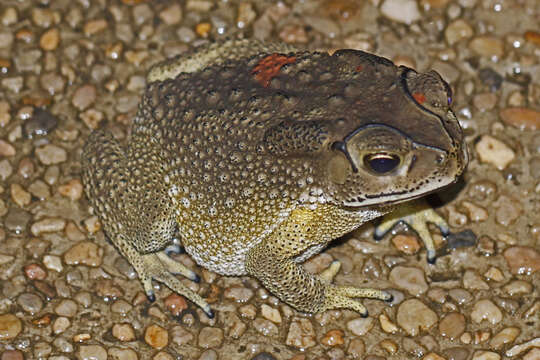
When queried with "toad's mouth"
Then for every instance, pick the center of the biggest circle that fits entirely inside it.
(397, 197)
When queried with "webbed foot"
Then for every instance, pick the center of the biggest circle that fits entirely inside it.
(344, 296)
(160, 267)
(417, 215)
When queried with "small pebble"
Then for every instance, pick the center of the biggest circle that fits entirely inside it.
(73, 189)
(518, 287)
(494, 152)
(123, 332)
(30, 303)
(238, 293)
(356, 348)
(67, 308)
(50, 39)
(458, 30)
(265, 327)
(210, 337)
(35, 272)
(6, 149)
(156, 336)
(53, 262)
(388, 345)
(488, 46)
(409, 278)
(181, 336)
(494, 274)
(333, 338)
(360, 326)
(522, 118)
(51, 154)
(486, 310)
(84, 253)
(520, 348)
(407, 244)
(94, 26)
(504, 337)
(301, 334)
(522, 260)
(387, 325)
(175, 304)
(452, 325)
(61, 324)
(414, 316)
(10, 326)
(171, 15)
(20, 196)
(49, 225)
(84, 96)
(92, 352)
(403, 11)
(485, 355)
(270, 313)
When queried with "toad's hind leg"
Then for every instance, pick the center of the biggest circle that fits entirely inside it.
(135, 212)
(273, 262)
(160, 267)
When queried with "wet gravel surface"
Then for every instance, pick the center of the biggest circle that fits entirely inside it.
(67, 66)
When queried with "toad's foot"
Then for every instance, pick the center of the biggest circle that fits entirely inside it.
(343, 296)
(417, 215)
(160, 267)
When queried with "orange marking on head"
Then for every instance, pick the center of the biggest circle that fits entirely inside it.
(269, 66)
(419, 97)
(359, 68)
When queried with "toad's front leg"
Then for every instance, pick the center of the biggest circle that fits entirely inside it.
(273, 262)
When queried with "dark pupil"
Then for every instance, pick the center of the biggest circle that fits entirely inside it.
(382, 163)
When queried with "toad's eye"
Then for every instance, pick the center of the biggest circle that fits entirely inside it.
(381, 163)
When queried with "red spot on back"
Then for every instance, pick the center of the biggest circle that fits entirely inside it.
(359, 68)
(269, 66)
(419, 97)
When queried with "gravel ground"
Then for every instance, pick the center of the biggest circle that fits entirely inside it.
(67, 66)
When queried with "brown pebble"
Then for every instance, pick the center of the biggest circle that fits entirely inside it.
(210, 337)
(50, 39)
(10, 326)
(12, 355)
(156, 336)
(6, 149)
(522, 118)
(94, 26)
(522, 260)
(301, 334)
(175, 304)
(487, 46)
(48, 225)
(414, 316)
(123, 332)
(84, 253)
(203, 29)
(408, 244)
(333, 338)
(533, 37)
(452, 325)
(20, 196)
(72, 189)
(84, 96)
(35, 272)
(51, 154)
